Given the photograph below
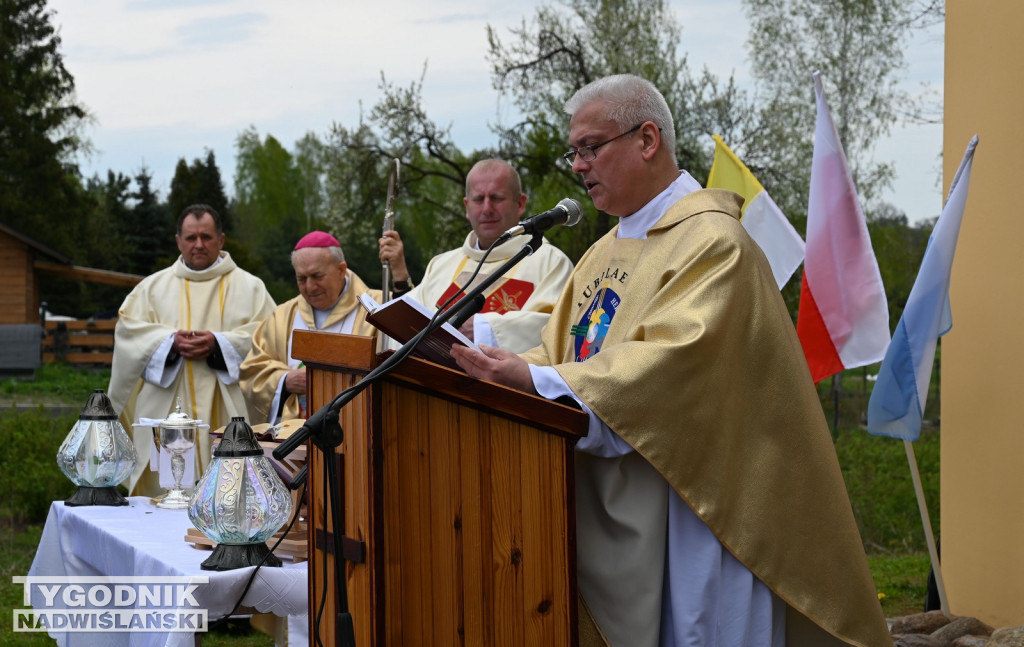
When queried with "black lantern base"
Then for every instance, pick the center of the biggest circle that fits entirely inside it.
(227, 557)
(86, 495)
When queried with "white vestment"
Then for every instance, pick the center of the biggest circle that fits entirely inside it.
(517, 305)
(223, 299)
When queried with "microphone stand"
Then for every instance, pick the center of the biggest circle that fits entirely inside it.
(324, 429)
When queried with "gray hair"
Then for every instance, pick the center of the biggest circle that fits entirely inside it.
(336, 254)
(631, 100)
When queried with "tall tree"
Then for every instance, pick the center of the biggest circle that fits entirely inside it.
(429, 213)
(559, 50)
(40, 121)
(200, 182)
(150, 232)
(857, 45)
(269, 207)
(183, 189)
(112, 209)
(547, 58)
(98, 243)
(310, 159)
(570, 43)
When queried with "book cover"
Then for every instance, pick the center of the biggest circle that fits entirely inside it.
(404, 317)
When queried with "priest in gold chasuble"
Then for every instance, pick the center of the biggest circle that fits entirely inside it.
(711, 509)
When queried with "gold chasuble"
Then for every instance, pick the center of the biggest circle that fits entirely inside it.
(222, 298)
(270, 357)
(682, 345)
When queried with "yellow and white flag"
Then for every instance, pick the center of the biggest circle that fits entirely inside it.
(762, 218)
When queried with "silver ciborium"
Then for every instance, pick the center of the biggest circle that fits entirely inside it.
(177, 434)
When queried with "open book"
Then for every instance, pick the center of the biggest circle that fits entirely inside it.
(402, 318)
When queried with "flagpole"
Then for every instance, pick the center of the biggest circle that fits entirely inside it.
(929, 538)
(835, 404)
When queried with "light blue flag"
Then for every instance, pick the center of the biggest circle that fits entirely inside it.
(897, 401)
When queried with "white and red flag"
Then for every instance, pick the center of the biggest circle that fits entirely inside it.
(843, 321)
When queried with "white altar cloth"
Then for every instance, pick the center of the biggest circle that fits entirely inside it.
(142, 540)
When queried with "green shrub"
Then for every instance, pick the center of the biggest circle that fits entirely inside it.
(29, 477)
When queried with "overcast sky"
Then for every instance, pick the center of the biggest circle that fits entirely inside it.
(168, 79)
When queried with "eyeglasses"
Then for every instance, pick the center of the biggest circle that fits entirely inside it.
(589, 153)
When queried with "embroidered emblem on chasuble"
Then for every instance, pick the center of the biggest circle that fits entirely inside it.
(590, 332)
(510, 296)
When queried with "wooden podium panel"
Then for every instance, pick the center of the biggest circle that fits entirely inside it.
(460, 499)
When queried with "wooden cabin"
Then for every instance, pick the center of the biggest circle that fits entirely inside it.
(19, 284)
(22, 261)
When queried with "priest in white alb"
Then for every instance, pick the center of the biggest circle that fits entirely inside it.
(518, 305)
(274, 382)
(182, 333)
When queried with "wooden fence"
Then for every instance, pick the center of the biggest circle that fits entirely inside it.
(80, 341)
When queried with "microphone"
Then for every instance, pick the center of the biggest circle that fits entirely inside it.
(567, 212)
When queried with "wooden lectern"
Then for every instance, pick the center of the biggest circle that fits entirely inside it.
(458, 504)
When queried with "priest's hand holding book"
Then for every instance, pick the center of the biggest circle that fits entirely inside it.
(495, 365)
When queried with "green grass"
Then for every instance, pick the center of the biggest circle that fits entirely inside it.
(901, 581)
(17, 547)
(57, 382)
(29, 477)
(875, 469)
(877, 475)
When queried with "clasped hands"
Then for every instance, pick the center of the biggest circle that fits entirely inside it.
(194, 344)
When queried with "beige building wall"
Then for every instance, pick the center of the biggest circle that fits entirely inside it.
(982, 482)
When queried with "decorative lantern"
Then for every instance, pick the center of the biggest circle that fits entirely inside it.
(177, 434)
(240, 501)
(97, 454)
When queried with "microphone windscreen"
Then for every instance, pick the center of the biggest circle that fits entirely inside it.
(573, 211)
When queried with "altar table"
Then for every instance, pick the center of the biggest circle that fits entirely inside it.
(142, 541)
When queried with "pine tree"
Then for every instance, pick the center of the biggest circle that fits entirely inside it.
(199, 182)
(151, 231)
(40, 191)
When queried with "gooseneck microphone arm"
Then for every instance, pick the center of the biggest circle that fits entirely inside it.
(466, 313)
